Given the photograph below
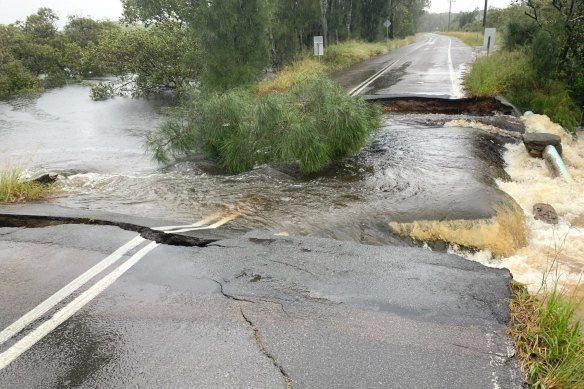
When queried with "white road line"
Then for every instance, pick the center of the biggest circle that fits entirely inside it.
(359, 88)
(70, 309)
(455, 89)
(200, 223)
(226, 219)
(59, 296)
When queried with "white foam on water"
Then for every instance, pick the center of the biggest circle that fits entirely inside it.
(553, 252)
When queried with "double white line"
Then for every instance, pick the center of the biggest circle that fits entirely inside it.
(359, 88)
(83, 299)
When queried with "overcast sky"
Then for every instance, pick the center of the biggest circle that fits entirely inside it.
(12, 10)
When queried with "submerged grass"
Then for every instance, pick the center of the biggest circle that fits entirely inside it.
(14, 190)
(548, 338)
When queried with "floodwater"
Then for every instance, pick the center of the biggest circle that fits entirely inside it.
(410, 171)
(415, 169)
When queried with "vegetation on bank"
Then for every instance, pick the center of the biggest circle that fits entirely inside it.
(472, 39)
(166, 45)
(548, 338)
(541, 66)
(13, 189)
(314, 122)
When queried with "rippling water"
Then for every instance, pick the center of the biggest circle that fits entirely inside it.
(410, 171)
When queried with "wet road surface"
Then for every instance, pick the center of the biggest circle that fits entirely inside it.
(430, 67)
(254, 311)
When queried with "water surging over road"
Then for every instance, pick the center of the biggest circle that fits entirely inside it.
(413, 169)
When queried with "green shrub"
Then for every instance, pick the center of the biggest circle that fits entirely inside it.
(519, 33)
(313, 123)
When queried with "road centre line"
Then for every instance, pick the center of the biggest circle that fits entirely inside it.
(455, 88)
(70, 309)
(67, 290)
(77, 283)
(359, 88)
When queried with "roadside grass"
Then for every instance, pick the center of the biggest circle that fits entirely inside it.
(510, 74)
(14, 190)
(348, 53)
(336, 57)
(472, 39)
(548, 337)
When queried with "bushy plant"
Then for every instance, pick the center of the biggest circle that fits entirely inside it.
(519, 33)
(313, 123)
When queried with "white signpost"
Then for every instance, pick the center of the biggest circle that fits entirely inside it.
(318, 46)
(387, 24)
(489, 40)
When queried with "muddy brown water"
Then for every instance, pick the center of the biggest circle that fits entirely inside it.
(414, 168)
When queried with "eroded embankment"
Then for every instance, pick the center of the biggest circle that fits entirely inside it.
(475, 106)
(532, 249)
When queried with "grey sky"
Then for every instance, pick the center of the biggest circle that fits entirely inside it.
(12, 10)
(465, 5)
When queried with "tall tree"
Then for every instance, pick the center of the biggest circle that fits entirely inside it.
(234, 39)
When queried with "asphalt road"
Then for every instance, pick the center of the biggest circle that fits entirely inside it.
(430, 67)
(101, 306)
(252, 311)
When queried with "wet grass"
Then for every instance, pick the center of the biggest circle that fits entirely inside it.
(472, 39)
(348, 53)
(548, 338)
(14, 190)
(336, 57)
(511, 75)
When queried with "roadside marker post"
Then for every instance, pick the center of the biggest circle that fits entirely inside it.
(318, 46)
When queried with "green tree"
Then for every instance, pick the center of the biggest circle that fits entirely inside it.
(234, 38)
(150, 60)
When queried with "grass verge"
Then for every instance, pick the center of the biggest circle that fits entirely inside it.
(472, 39)
(14, 190)
(336, 57)
(548, 338)
(511, 74)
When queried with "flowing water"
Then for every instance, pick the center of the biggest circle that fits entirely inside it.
(415, 169)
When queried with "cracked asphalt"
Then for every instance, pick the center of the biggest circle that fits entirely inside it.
(255, 311)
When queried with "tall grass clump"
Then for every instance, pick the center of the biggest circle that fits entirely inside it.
(548, 338)
(14, 190)
(353, 51)
(312, 123)
(497, 74)
(513, 75)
